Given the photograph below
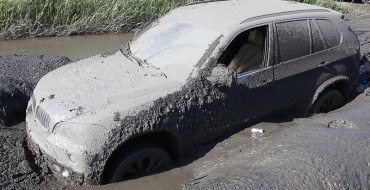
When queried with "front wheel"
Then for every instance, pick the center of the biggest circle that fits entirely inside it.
(140, 161)
(366, 1)
(329, 100)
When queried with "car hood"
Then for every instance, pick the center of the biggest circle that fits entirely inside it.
(97, 82)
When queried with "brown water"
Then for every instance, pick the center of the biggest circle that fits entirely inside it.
(175, 179)
(73, 47)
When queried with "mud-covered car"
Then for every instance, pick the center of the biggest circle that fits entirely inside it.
(197, 73)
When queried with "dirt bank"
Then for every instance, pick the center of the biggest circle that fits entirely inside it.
(18, 77)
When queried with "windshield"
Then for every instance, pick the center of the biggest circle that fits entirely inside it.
(180, 43)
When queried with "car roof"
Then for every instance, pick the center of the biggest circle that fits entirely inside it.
(224, 15)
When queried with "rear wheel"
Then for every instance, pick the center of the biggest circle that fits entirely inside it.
(329, 100)
(140, 161)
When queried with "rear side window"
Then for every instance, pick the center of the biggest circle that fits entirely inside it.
(318, 43)
(330, 32)
(293, 39)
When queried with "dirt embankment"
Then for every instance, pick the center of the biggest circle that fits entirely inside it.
(303, 153)
(18, 77)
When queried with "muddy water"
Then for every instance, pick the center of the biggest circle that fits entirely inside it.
(171, 180)
(73, 47)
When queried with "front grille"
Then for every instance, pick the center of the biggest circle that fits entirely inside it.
(43, 117)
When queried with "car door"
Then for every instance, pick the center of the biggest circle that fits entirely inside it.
(252, 95)
(294, 71)
(300, 62)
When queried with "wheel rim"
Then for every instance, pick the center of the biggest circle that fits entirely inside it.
(143, 166)
(140, 162)
(330, 104)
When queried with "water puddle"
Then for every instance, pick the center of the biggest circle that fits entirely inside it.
(73, 47)
(170, 180)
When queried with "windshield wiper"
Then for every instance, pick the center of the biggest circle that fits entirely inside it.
(126, 50)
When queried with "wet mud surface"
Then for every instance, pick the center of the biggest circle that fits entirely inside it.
(326, 151)
(17, 167)
(18, 77)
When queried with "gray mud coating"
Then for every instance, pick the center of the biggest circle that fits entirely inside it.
(341, 124)
(18, 77)
(222, 76)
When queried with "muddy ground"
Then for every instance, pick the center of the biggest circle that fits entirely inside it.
(306, 153)
(18, 77)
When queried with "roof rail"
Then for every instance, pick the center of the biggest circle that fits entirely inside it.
(195, 2)
(283, 13)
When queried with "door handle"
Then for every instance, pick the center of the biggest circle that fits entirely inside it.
(324, 64)
(263, 82)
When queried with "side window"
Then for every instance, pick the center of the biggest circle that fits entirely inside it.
(318, 43)
(331, 33)
(247, 51)
(293, 39)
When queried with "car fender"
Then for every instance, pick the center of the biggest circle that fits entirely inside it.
(327, 84)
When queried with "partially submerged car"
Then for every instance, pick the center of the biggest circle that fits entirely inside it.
(197, 73)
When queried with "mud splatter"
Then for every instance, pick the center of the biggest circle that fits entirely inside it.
(341, 124)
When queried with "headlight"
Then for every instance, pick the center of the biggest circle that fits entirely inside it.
(77, 136)
(31, 104)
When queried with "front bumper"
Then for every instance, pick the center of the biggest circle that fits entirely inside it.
(58, 169)
(61, 162)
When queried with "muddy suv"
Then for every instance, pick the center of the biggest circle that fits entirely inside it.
(187, 79)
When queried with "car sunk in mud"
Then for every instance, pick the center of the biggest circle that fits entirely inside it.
(187, 79)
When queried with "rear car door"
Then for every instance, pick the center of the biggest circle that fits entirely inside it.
(301, 64)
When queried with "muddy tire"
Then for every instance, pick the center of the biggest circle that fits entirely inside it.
(140, 161)
(329, 100)
(366, 1)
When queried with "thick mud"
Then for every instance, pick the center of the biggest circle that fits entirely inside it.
(18, 77)
(326, 151)
(17, 166)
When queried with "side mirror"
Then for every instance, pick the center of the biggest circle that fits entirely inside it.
(222, 76)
